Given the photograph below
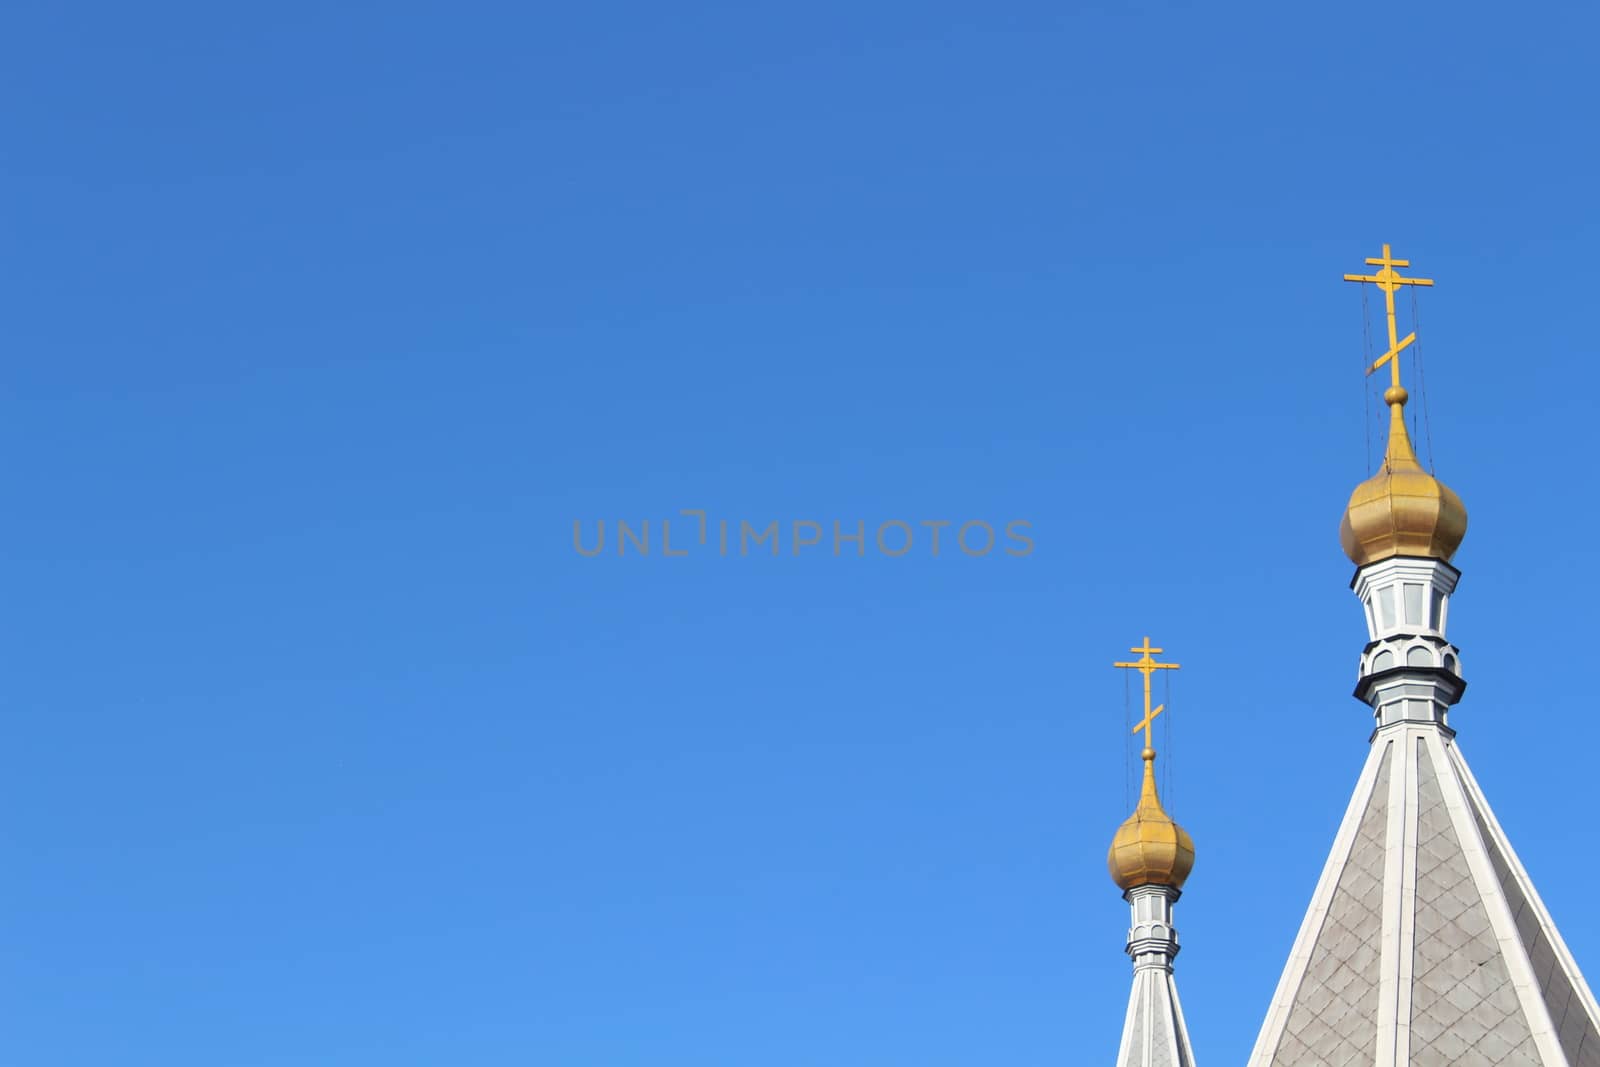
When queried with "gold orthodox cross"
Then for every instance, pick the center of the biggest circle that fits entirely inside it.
(1389, 280)
(1146, 665)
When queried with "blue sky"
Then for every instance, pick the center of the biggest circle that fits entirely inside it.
(323, 746)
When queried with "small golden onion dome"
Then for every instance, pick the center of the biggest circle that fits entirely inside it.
(1402, 510)
(1150, 849)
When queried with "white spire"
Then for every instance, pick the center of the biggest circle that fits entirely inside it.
(1426, 944)
(1153, 1034)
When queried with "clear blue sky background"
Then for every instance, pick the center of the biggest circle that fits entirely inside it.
(324, 323)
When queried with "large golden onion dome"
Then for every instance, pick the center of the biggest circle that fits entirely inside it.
(1402, 510)
(1150, 849)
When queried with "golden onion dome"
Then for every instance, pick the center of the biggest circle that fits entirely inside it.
(1402, 510)
(1150, 849)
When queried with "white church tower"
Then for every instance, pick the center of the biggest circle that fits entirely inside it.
(1425, 944)
(1149, 859)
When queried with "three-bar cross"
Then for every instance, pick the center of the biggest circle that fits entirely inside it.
(1146, 665)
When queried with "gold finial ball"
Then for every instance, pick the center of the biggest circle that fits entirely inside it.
(1149, 848)
(1148, 754)
(1395, 394)
(1402, 510)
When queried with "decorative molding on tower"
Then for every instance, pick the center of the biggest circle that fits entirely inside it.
(1152, 939)
(1409, 671)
